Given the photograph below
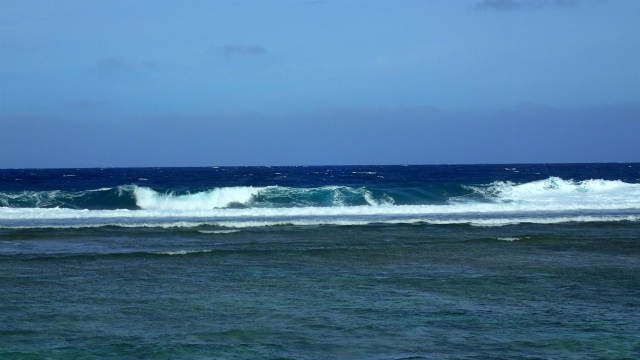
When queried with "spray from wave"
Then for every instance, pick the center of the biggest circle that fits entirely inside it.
(259, 197)
(498, 203)
(554, 192)
(550, 193)
(213, 199)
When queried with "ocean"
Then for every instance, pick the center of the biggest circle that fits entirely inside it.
(518, 261)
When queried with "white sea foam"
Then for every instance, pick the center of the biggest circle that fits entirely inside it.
(557, 193)
(219, 198)
(385, 201)
(245, 223)
(397, 210)
(101, 189)
(551, 200)
(218, 231)
(149, 199)
(182, 252)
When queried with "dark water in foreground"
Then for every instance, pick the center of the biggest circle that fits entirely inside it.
(488, 264)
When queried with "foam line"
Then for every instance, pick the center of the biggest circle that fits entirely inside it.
(461, 208)
(236, 224)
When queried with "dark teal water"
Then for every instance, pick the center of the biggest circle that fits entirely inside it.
(561, 284)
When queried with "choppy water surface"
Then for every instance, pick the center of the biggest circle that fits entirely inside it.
(516, 261)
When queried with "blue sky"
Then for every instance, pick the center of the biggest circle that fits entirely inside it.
(190, 83)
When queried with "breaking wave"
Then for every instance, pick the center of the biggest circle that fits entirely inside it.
(557, 190)
(213, 199)
(134, 197)
(495, 204)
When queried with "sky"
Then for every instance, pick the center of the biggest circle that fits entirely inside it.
(234, 83)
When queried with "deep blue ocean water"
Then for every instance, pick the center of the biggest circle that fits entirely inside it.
(350, 262)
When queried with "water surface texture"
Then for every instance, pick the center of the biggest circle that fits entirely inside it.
(388, 262)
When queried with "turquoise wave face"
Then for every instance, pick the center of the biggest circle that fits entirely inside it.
(134, 197)
(553, 193)
(261, 197)
(99, 199)
(393, 262)
(240, 197)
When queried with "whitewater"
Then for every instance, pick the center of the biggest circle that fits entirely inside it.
(522, 261)
(549, 200)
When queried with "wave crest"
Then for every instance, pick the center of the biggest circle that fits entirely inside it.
(149, 199)
(555, 190)
(260, 197)
(551, 194)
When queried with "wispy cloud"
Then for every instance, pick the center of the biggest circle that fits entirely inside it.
(513, 5)
(242, 50)
(111, 64)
